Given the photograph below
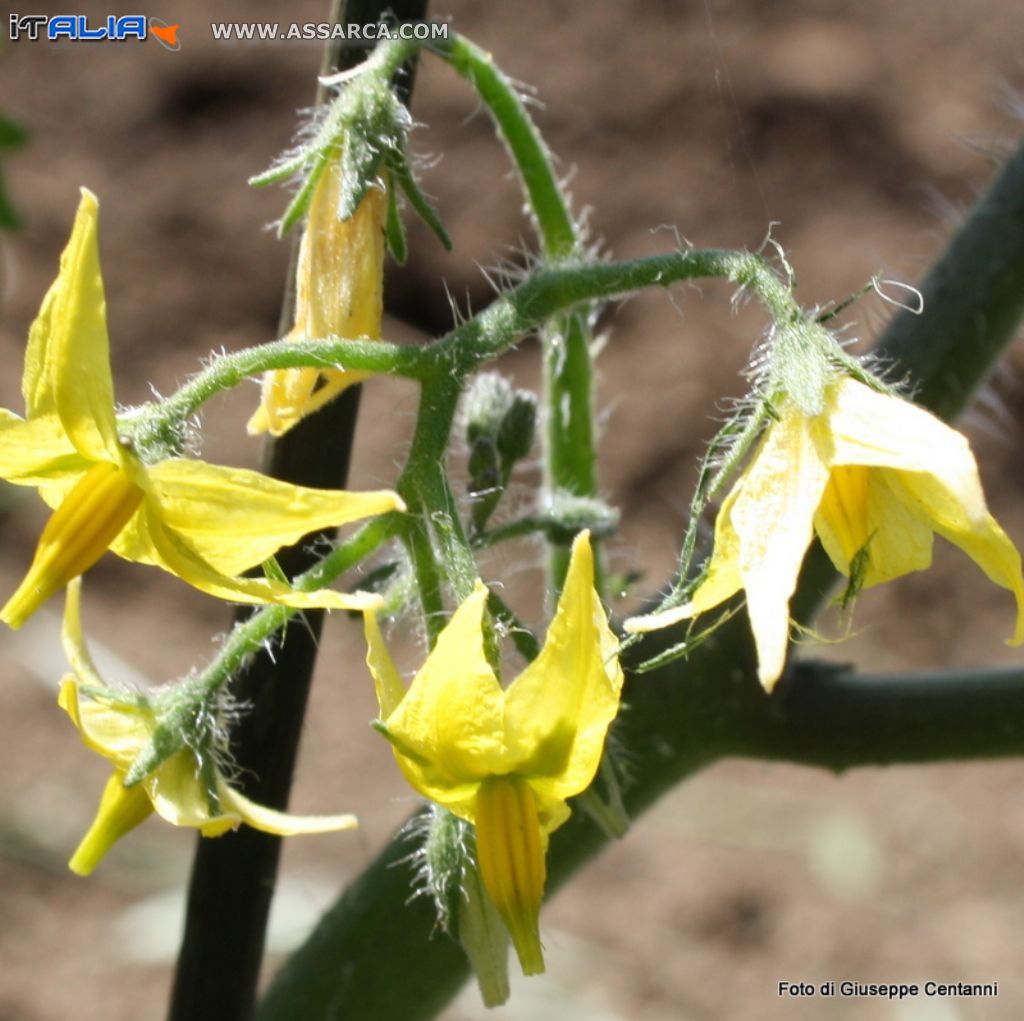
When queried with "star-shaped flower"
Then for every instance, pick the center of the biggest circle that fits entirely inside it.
(188, 789)
(339, 292)
(205, 523)
(874, 477)
(507, 760)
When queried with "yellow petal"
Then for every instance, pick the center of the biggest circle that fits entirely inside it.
(179, 797)
(722, 579)
(121, 810)
(116, 730)
(557, 712)
(289, 395)
(451, 716)
(862, 511)
(234, 519)
(67, 364)
(283, 824)
(773, 517)
(991, 549)
(877, 430)
(37, 451)
(339, 293)
(158, 545)
(386, 679)
(73, 640)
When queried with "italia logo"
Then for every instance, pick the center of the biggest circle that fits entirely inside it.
(80, 28)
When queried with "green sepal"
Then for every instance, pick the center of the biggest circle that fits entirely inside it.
(485, 940)
(183, 717)
(273, 571)
(403, 177)
(398, 744)
(300, 203)
(374, 125)
(446, 857)
(394, 229)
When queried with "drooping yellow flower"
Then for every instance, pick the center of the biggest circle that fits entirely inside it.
(205, 523)
(339, 282)
(874, 477)
(119, 726)
(507, 760)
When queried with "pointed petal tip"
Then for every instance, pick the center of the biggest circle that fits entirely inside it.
(656, 621)
(82, 864)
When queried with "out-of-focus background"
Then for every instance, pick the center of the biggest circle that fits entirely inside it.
(859, 131)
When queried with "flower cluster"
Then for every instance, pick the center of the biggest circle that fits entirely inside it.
(205, 523)
(842, 458)
(506, 760)
(874, 477)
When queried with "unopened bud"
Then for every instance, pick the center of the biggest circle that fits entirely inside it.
(515, 434)
(487, 401)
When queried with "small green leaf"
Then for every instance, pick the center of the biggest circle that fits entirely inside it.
(419, 202)
(300, 203)
(394, 230)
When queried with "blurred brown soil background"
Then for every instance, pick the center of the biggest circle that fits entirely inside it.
(859, 130)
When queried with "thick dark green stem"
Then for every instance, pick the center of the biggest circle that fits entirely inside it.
(691, 713)
(368, 967)
(233, 877)
(681, 718)
(973, 300)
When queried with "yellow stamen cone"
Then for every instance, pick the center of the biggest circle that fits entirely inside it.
(78, 533)
(510, 855)
(121, 810)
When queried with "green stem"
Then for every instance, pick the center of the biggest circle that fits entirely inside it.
(233, 878)
(248, 637)
(546, 294)
(554, 222)
(424, 487)
(416, 539)
(690, 714)
(973, 298)
(228, 370)
(570, 459)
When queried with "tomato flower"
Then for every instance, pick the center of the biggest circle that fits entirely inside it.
(874, 477)
(507, 760)
(205, 523)
(185, 790)
(339, 292)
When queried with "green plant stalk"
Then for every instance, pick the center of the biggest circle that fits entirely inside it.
(544, 295)
(554, 222)
(968, 312)
(570, 454)
(233, 878)
(424, 486)
(694, 712)
(251, 635)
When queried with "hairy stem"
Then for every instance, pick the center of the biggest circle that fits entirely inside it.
(694, 712)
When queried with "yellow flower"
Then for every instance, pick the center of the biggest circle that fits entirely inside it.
(205, 523)
(874, 477)
(119, 727)
(339, 284)
(507, 760)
